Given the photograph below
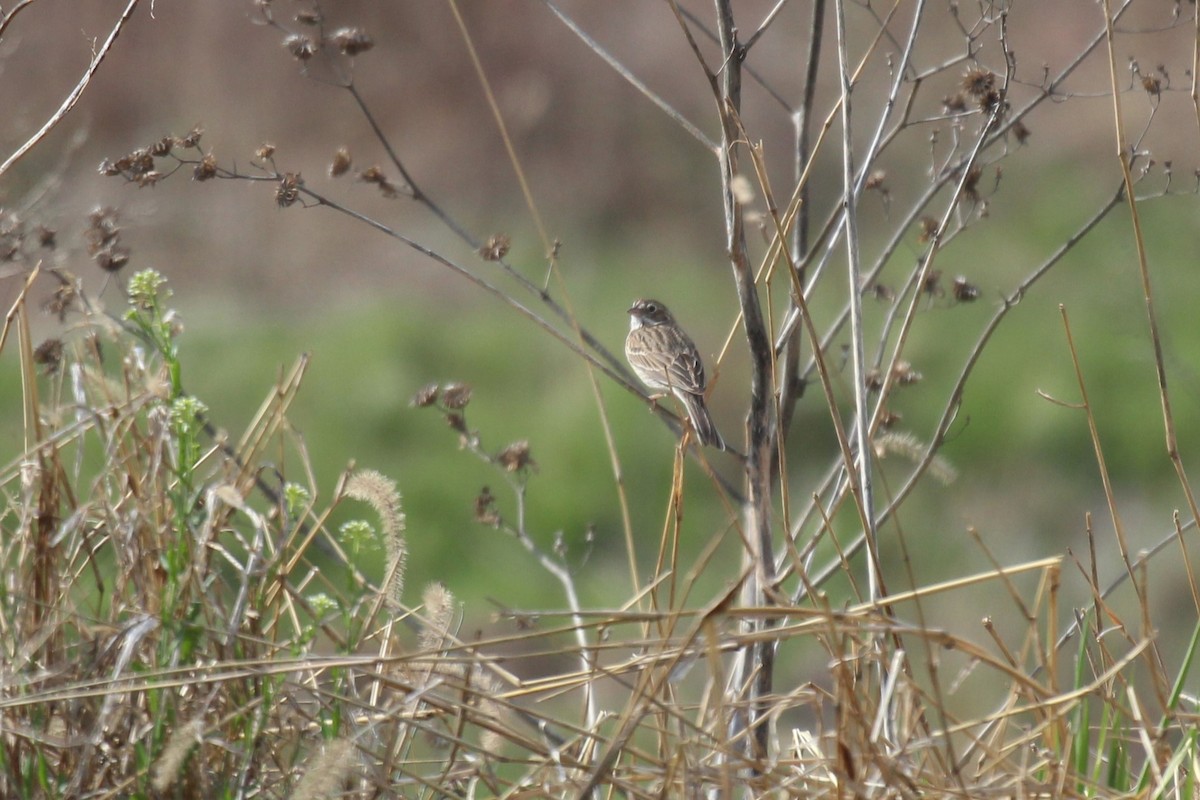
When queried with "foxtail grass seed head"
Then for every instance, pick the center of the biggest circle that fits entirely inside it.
(179, 745)
(326, 772)
(440, 610)
(380, 492)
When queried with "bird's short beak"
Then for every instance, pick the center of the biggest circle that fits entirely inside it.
(632, 309)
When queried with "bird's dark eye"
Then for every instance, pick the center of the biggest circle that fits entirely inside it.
(652, 307)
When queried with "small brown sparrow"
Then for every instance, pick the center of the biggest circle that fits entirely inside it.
(666, 360)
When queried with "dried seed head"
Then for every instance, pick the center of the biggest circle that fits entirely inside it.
(888, 418)
(192, 138)
(964, 291)
(149, 178)
(875, 179)
(904, 374)
(456, 395)
(376, 176)
(206, 169)
(47, 237)
(485, 508)
(426, 396)
(955, 103)
(882, 293)
(311, 18)
(516, 457)
(1020, 131)
(971, 184)
(351, 41)
(928, 226)
(932, 285)
(265, 151)
(108, 168)
(112, 258)
(103, 228)
(162, 147)
(300, 46)
(63, 299)
(340, 164)
(1152, 85)
(496, 247)
(49, 354)
(288, 191)
(978, 82)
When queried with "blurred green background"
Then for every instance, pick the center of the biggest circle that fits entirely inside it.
(635, 203)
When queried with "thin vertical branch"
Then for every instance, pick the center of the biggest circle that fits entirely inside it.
(791, 382)
(755, 667)
(860, 471)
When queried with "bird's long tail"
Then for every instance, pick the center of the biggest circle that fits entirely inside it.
(702, 423)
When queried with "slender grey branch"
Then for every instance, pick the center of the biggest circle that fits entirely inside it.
(77, 92)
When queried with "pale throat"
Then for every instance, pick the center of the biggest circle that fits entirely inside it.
(635, 322)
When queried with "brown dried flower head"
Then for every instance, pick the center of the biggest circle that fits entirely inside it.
(288, 191)
(351, 41)
(516, 457)
(904, 374)
(875, 179)
(300, 46)
(63, 299)
(376, 176)
(882, 293)
(1152, 85)
(932, 285)
(149, 178)
(426, 396)
(111, 259)
(49, 354)
(485, 508)
(206, 169)
(964, 291)
(978, 82)
(955, 103)
(103, 228)
(496, 247)
(192, 138)
(1020, 131)
(265, 152)
(162, 147)
(928, 227)
(340, 164)
(456, 395)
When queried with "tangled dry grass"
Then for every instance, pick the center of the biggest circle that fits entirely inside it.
(179, 620)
